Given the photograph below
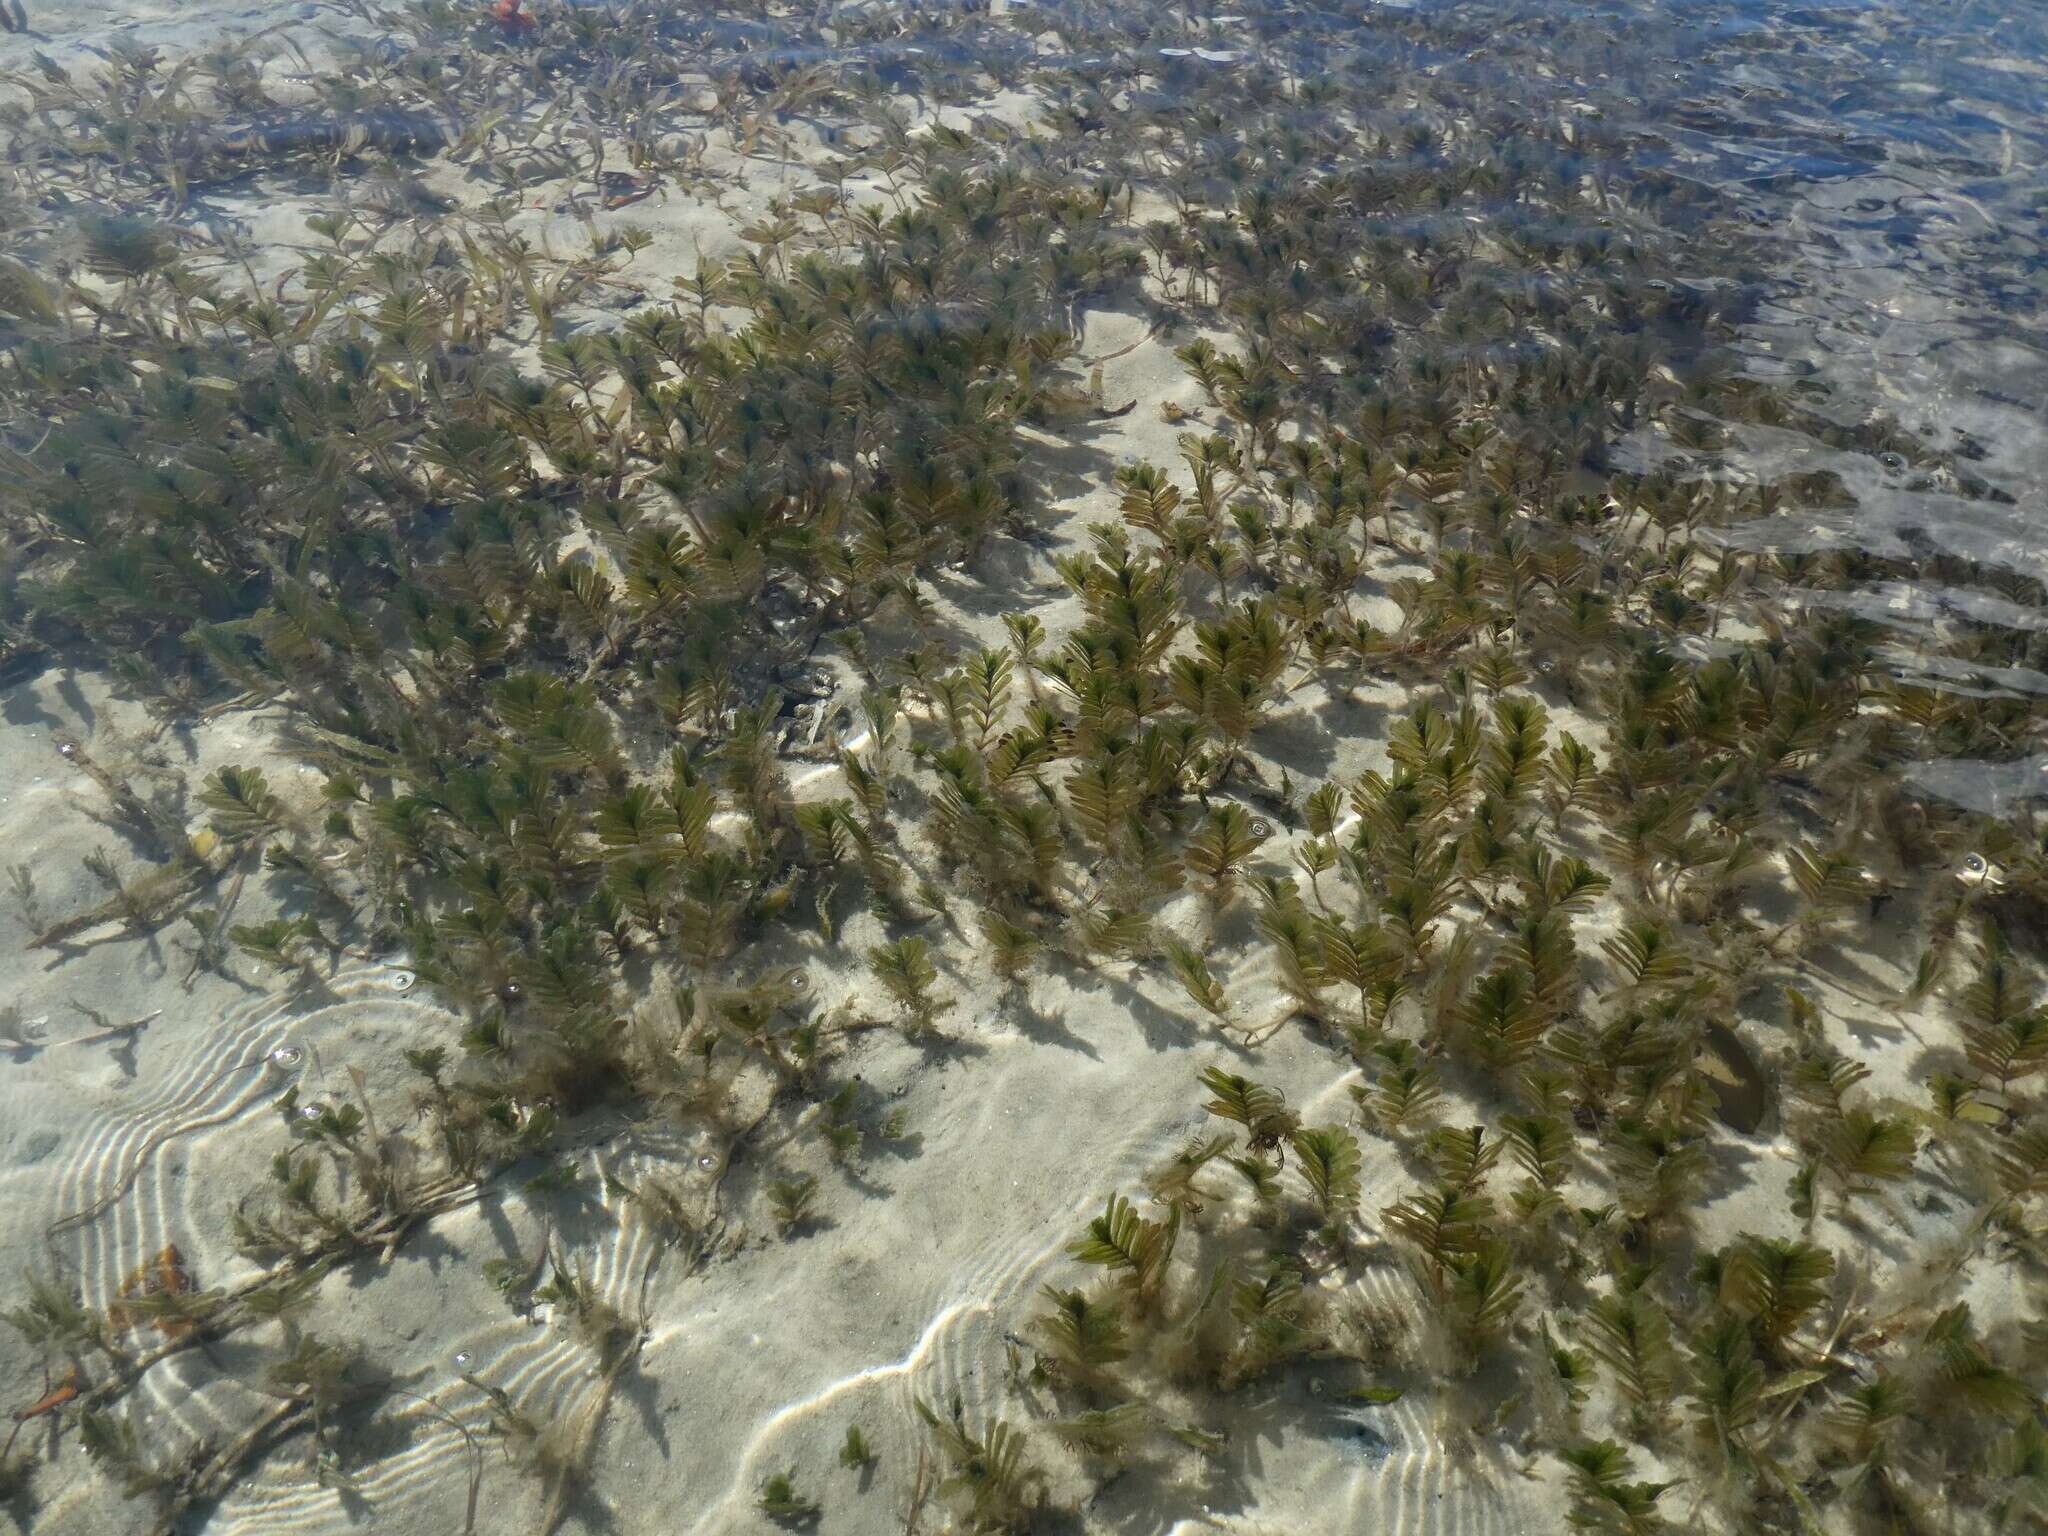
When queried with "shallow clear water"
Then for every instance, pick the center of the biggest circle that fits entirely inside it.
(1678, 371)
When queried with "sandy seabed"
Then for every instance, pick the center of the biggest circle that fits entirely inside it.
(923, 1253)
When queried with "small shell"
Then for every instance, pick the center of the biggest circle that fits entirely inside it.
(1979, 873)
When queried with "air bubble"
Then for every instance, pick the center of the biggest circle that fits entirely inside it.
(1262, 829)
(68, 749)
(402, 981)
(514, 991)
(1893, 462)
(707, 1161)
(1974, 863)
(462, 1358)
(798, 980)
(287, 1056)
(312, 1111)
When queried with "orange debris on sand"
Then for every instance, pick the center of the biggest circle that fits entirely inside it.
(164, 1275)
(52, 1399)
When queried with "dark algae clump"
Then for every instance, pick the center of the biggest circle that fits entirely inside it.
(1427, 727)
